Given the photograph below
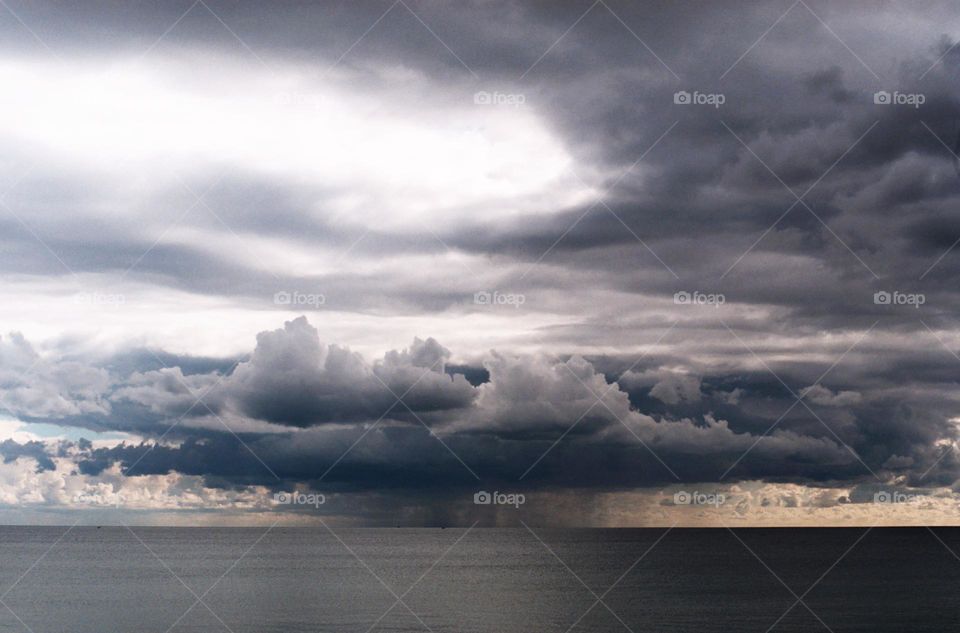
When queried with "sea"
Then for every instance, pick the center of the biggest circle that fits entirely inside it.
(522, 580)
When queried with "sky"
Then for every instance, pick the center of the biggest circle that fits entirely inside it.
(425, 263)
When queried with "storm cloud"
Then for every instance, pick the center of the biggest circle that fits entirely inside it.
(418, 248)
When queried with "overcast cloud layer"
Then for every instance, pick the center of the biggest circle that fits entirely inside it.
(597, 254)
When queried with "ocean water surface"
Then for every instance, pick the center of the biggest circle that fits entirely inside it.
(293, 580)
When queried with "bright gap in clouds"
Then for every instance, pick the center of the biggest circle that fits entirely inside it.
(393, 157)
(22, 432)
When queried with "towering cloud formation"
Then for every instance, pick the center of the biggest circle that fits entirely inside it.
(658, 246)
(298, 411)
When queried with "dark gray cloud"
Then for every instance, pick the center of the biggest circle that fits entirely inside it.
(299, 410)
(283, 157)
(294, 379)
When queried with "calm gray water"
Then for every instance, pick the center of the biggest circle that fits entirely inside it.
(498, 580)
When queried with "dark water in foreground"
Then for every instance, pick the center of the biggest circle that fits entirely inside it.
(497, 580)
